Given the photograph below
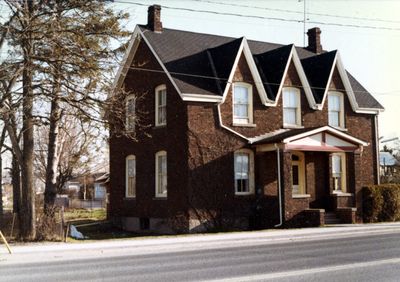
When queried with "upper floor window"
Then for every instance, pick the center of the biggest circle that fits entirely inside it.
(161, 105)
(336, 109)
(242, 103)
(161, 174)
(130, 113)
(130, 187)
(339, 172)
(291, 107)
(244, 172)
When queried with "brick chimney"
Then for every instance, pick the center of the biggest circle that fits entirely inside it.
(314, 40)
(154, 18)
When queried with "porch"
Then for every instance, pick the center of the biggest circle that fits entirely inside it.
(311, 173)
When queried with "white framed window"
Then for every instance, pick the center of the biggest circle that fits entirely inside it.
(242, 103)
(161, 174)
(291, 106)
(335, 109)
(130, 110)
(161, 105)
(339, 172)
(298, 174)
(244, 172)
(130, 186)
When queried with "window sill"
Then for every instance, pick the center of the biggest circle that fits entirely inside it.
(244, 194)
(292, 126)
(160, 198)
(301, 196)
(129, 198)
(244, 124)
(160, 126)
(341, 194)
(339, 128)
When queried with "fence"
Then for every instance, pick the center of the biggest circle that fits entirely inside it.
(80, 204)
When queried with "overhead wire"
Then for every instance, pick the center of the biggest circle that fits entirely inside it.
(297, 12)
(262, 17)
(250, 82)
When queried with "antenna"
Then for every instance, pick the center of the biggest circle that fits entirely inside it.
(304, 21)
(304, 25)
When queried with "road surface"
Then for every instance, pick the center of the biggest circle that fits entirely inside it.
(336, 254)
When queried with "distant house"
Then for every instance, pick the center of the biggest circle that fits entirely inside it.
(100, 186)
(240, 133)
(86, 187)
(388, 165)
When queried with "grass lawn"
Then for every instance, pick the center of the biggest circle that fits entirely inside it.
(93, 224)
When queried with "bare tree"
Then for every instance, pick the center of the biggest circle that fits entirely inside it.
(61, 56)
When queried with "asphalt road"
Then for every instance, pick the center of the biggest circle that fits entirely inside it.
(360, 257)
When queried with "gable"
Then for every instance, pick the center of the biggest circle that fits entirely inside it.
(197, 65)
(318, 70)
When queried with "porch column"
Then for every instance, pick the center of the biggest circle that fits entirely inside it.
(357, 157)
(286, 175)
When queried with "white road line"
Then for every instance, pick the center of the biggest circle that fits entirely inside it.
(276, 275)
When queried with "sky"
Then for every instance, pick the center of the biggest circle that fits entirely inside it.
(366, 33)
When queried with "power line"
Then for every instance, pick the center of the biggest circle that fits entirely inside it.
(250, 82)
(263, 17)
(297, 12)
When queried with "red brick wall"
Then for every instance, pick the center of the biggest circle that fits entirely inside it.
(200, 153)
(150, 139)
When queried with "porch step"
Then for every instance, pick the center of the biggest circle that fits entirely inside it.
(331, 218)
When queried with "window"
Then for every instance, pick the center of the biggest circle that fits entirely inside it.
(242, 104)
(130, 188)
(291, 107)
(298, 174)
(161, 174)
(339, 172)
(161, 105)
(130, 113)
(335, 109)
(244, 172)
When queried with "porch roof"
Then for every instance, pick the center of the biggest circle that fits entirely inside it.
(324, 138)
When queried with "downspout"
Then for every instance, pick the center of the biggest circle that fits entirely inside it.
(378, 171)
(278, 158)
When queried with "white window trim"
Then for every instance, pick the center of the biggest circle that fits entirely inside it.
(130, 157)
(302, 175)
(127, 125)
(157, 91)
(341, 113)
(343, 175)
(249, 87)
(158, 154)
(298, 109)
(251, 172)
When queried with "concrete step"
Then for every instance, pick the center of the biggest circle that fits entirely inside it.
(331, 218)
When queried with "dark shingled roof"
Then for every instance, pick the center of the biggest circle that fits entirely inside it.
(364, 99)
(280, 136)
(201, 63)
(271, 66)
(318, 69)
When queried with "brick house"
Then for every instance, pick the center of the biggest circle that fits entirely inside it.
(240, 134)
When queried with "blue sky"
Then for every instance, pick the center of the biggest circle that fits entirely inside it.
(366, 33)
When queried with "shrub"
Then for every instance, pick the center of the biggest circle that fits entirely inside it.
(381, 203)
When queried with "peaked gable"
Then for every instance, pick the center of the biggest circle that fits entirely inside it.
(318, 70)
(195, 65)
(272, 66)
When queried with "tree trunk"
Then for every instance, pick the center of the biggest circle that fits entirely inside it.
(28, 218)
(16, 184)
(3, 136)
(50, 191)
(28, 224)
